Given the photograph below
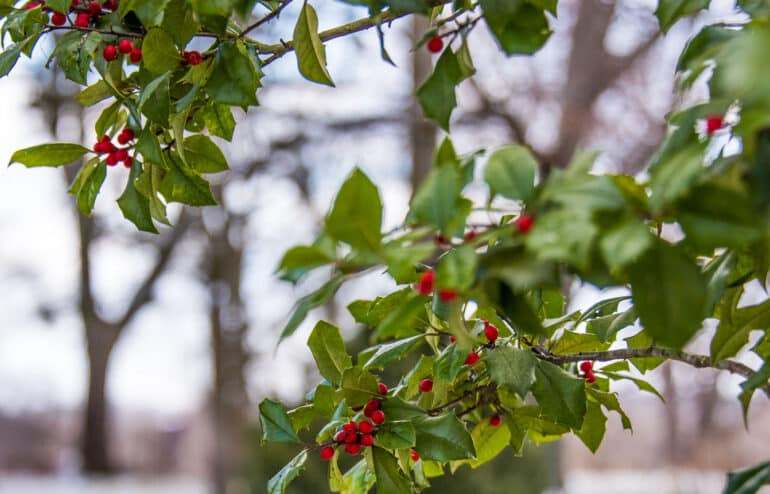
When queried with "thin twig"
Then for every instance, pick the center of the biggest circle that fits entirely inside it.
(265, 19)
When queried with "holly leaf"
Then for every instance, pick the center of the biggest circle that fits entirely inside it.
(513, 368)
(48, 155)
(278, 483)
(328, 349)
(443, 438)
(310, 50)
(356, 217)
(511, 171)
(275, 422)
(749, 480)
(390, 478)
(561, 396)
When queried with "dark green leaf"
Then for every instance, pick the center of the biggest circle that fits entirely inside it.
(388, 353)
(443, 438)
(395, 434)
(356, 217)
(235, 78)
(561, 396)
(511, 171)
(278, 484)
(159, 53)
(748, 481)
(135, 206)
(358, 386)
(513, 368)
(275, 422)
(437, 94)
(328, 349)
(49, 155)
(594, 427)
(203, 155)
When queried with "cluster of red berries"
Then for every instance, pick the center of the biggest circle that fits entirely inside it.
(114, 154)
(357, 435)
(85, 14)
(192, 57)
(426, 284)
(124, 46)
(714, 123)
(435, 44)
(587, 368)
(490, 332)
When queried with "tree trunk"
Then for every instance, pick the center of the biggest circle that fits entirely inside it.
(96, 428)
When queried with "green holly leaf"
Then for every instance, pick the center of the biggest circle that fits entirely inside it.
(443, 438)
(389, 353)
(397, 434)
(159, 53)
(356, 217)
(311, 54)
(390, 478)
(86, 185)
(278, 483)
(749, 480)
(437, 95)
(520, 27)
(489, 441)
(235, 77)
(561, 396)
(358, 386)
(135, 206)
(182, 184)
(511, 171)
(275, 422)
(203, 155)
(513, 368)
(329, 352)
(49, 155)
(149, 12)
(594, 427)
(669, 293)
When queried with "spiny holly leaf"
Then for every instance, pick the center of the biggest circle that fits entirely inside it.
(443, 438)
(235, 77)
(281, 480)
(275, 422)
(49, 155)
(311, 54)
(513, 368)
(328, 349)
(203, 155)
(735, 324)
(396, 434)
(390, 479)
(437, 94)
(356, 217)
(594, 427)
(561, 396)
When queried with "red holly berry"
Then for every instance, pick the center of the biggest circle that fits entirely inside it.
(586, 366)
(415, 455)
(590, 377)
(470, 235)
(349, 427)
(340, 437)
(99, 147)
(126, 136)
(75, 3)
(426, 385)
(447, 295)
(440, 239)
(353, 449)
(128, 162)
(136, 55)
(327, 453)
(435, 44)
(125, 46)
(371, 406)
(365, 427)
(82, 20)
(357, 409)
(367, 440)
(495, 420)
(425, 284)
(351, 437)
(110, 53)
(452, 339)
(378, 417)
(383, 388)
(714, 123)
(193, 57)
(472, 359)
(122, 154)
(95, 8)
(112, 159)
(525, 223)
(491, 332)
(58, 19)
(32, 5)
(110, 4)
